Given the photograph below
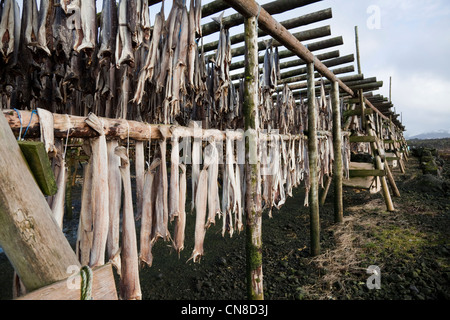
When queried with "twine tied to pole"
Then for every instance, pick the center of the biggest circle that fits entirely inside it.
(86, 283)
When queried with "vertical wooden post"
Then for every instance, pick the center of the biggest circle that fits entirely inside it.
(30, 237)
(358, 58)
(390, 89)
(253, 205)
(338, 172)
(360, 91)
(379, 166)
(312, 154)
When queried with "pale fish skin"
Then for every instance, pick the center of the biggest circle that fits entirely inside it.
(100, 192)
(130, 288)
(115, 202)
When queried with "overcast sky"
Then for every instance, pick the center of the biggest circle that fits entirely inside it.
(408, 40)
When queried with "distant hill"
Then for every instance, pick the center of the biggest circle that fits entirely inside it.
(440, 134)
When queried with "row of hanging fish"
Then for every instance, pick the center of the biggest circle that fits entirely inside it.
(75, 62)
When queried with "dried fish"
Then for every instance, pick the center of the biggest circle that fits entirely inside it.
(10, 30)
(161, 206)
(174, 190)
(115, 196)
(213, 191)
(124, 47)
(130, 288)
(59, 197)
(196, 161)
(44, 36)
(108, 29)
(148, 207)
(85, 227)
(88, 25)
(180, 220)
(30, 23)
(148, 70)
(140, 171)
(201, 198)
(100, 192)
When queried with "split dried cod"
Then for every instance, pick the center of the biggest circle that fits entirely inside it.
(100, 192)
(130, 288)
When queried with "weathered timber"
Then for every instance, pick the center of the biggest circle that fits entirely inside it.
(103, 287)
(323, 195)
(236, 19)
(329, 63)
(338, 173)
(314, 46)
(29, 235)
(40, 166)
(288, 24)
(391, 180)
(336, 71)
(301, 36)
(362, 139)
(366, 173)
(345, 79)
(313, 170)
(273, 28)
(253, 205)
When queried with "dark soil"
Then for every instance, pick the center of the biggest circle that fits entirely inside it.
(410, 246)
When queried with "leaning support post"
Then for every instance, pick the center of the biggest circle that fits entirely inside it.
(30, 237)
(312, 153)
(337, 146)
(253, 205)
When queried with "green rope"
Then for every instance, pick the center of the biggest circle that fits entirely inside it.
(86, 283)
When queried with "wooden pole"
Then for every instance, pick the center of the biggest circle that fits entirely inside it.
(312, 153)
(288, 24)
(253, 206)
(338, 172)
(323, 196)
(30, 237)
(391, 180)
(274, 7)
(358, 57)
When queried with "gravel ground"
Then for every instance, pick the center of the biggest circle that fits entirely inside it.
(410, 246)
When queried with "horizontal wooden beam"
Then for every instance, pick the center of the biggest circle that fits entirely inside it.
(288, 24)
(275, 7)
(103, 287)
(366, 173)
(250, 8)
(362, 139)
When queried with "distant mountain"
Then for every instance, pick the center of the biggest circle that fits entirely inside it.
(440, 134)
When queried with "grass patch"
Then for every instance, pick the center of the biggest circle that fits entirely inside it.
(395, 242)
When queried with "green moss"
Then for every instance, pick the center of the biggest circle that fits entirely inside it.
(395, 242)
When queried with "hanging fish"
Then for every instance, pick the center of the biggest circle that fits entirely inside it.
(180, 220)
(213, 172)
(174, 190)
(130, 288)
(85, 226)
(30, 23)
(115, 199)
(88, 25)
(9, 29)
(100, 192)
(148, 209)
(124, 47)
(161, 206)
(196, 161)
(201, 198)
(140, 171)
(108, 30)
